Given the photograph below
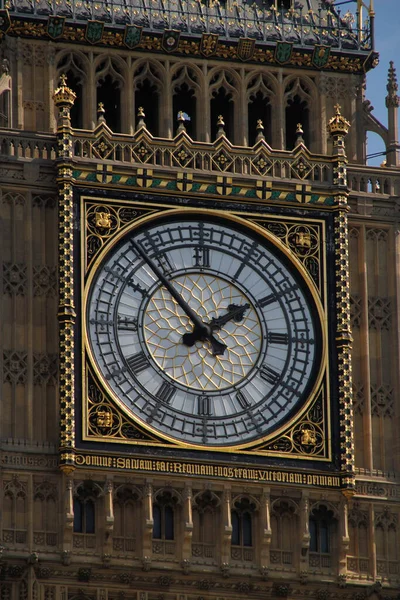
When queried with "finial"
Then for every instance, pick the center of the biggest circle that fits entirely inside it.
(63, 95)
(260, 131)
(392, 99)
(221, 125)
(100, 113)
(181, 120)
(338, 125)
(299, 134)
(141, 115)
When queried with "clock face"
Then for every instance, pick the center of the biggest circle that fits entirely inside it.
(204, 331)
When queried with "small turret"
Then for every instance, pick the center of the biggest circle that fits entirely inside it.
(392, 104)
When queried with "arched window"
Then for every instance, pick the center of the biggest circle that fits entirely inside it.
(223, 96)
(259, 96)
(205, 524)
(284, 532)
(297, 98)
(109, 83)
(185, 90)
(72, 66)
(15, 513)
(358, 560)
(84, 527)
(387, 543)
(164, 523)
(322, 536)
(45, 515)
(147, 84)
(126, 519)
(242, 529)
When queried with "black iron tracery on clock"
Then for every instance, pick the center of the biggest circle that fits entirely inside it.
(229, 370)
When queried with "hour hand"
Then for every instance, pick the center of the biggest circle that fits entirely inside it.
(235, 313)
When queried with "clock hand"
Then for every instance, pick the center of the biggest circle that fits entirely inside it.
(201, 330)
(235, 313)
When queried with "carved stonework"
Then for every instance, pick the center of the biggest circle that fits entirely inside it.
(358, 398)
(45, 281)
(355, 311)
(382, 404)
(14, 279)
(338, 87)
(379, 313)
(15, 367)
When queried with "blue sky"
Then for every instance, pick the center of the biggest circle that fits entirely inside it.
(387, 43)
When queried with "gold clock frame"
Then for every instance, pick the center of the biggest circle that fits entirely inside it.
(106, 419)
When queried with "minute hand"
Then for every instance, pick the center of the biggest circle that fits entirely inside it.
(204, 330)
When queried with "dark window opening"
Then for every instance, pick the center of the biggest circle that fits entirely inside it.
(74, 82)
(284, 3)
(296, 112)
(109, 94)
(163, 522)
(5, 109)
(320, 525)
(146, 97)
(185, 100)
(259, 108)
(84, 516)
(222, 104)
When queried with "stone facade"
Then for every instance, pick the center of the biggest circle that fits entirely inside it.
(95, 531)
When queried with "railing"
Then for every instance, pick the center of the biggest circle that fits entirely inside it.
(163, 548)
(281, 557)
(242, 553)
(25, 144)
(387, 567)
(123, 544)
(373, 180)
(203, 550)
(14, 536)
(323, 561)
(229, 20)
(84, 541)
(44, 538)
(357, 564)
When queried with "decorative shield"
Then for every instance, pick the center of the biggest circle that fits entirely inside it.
(94, 31)
(246, 48)
(320, 56)
(170, 40)
(55, 27)
(132, 36)
(283, 52)
(208, 44)
(144, 177)
(5, 21)
(104, 173)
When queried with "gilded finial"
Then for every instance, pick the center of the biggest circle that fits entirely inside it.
(221, 125)
(260, 130)
(101, 112)
(338, 125)
(299, 129)
(141, 115)
(63, 95)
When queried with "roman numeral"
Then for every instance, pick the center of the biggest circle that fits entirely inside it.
(127, 323)
(201, 257)
(269, 374)
(270, 299)
(204, 407)
(166, 392)
(278, 338)
(243, 401)
(137, 362)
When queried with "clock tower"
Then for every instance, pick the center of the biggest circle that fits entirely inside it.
(200, 304)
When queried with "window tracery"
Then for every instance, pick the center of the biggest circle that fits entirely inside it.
(84, 526)
(75, 67)
(126, 518)
(322, 528)
(45, 522)
(358, 560)
(284, 531)
(148, 82)
(223, 96)
(186, 94)
(14, 512)
(205, 524)
(298, 102)
(110, 83)
(260, 96)
(165, 521)
(243, 528)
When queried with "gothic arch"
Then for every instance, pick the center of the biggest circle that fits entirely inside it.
(284, 526)
(75, 65)
(300, 97)
(206, 505)
(127, 518)
(110, 75)
(148, 83)
(186, 86)
(45, 517)
(223, 86)
(261, 96)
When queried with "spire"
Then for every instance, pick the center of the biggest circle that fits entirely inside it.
(392, 99)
